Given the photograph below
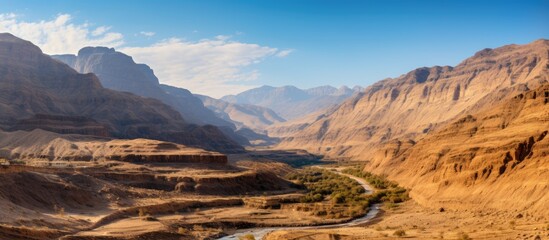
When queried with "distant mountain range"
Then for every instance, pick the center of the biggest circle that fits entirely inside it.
(243, 115)
(291, 102)
(119, 72)
(37, 91)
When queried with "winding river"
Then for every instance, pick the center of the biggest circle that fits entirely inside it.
(259, 233)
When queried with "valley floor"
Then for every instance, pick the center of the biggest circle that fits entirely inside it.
(417, 222)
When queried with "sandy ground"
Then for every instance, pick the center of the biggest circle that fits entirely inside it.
(421, 223)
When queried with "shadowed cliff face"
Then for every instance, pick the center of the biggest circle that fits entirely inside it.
(416, 103)
(118, 71)
(33, 83)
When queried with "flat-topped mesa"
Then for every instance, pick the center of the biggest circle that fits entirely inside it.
(171, 158)
(151, 151)
(38, 146)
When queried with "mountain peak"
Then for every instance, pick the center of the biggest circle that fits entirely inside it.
(8, 38)
(91, 50)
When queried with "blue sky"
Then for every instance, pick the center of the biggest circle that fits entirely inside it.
(329, 42)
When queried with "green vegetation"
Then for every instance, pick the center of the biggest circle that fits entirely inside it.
(389, 192)
(379, 182)
(342, 196)
(323, 183)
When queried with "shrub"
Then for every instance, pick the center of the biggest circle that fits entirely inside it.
(247, 237)
(182, 231)
(142, 212)
(59, 210)
(390, 205)
(463, 236)
(399, 233)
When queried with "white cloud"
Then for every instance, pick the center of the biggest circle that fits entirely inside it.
(59, 35)
(216, 66)
(100, 31)
(284, 53)
(147, 34)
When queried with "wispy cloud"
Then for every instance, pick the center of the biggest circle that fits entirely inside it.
(284, 53)
(208, 66)
(215, 66)
(60, 35)
(147, 34)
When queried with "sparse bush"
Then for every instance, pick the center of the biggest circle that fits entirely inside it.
(390, 205)
(321, 213)
(463, 236)
(247, 237)
(59, 210)
(198, 228)
(182, 231)
(399, 233)
(142, 212)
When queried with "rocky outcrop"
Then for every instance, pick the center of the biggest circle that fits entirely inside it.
(291, 102)
(493, 159)
(33, 83)
(246, 182)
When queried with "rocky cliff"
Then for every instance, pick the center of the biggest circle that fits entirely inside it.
(494, 159)
(414, 104)
(33, 83)
(469, 137)
(118, 71)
